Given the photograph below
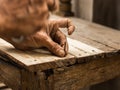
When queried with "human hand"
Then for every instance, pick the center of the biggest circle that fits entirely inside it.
(50, 37)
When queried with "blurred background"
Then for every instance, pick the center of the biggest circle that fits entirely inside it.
(83, 9)
(105, 12)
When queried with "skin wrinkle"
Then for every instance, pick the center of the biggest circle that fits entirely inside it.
(30, 19)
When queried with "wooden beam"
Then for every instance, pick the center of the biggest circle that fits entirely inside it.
(86, 74)
(10, 75)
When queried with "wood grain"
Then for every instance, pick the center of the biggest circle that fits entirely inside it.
(79, 76)
(41, 59)
(92, 35)
(10, 75)
(92, 59)
(97, 33)
(84, 33)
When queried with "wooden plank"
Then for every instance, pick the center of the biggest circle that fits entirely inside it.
(78, 53)
(93, 43)
(86, 74)
(67, 73)
(81, 29)
(98, 33)
(41, 59)
(84, 47)
(33, 80)
(35, 60)
(10, 75)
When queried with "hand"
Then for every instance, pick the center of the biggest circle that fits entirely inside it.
(58, 37)
(25, 16)
(50, 37)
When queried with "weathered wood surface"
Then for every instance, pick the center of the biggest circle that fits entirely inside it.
(98, 36)
(33, 81)
(9, 74)
(94, 58)
(41, 59)
(98, 39)
(86, 74)
(107, 37)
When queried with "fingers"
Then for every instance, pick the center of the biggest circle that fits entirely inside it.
(44, 40)
(54, 47)
(57, 35)
(61, 39)
(64, 23)
(70, 26)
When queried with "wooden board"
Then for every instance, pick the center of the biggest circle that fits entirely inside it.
(41, 59)
(83, 75)
(97, 33)
(92, 59)
(95, 41)
(101, 37)
(9, 74)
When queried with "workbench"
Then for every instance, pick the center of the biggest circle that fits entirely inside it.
(94, 57)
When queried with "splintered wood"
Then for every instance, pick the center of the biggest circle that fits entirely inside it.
(43, 58)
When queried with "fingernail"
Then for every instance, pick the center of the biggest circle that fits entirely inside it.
(61, 53)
